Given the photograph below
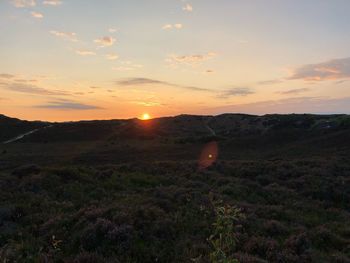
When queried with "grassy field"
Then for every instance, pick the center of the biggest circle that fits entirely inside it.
(133, 195)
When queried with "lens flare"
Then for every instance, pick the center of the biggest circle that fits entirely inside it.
(208, 156)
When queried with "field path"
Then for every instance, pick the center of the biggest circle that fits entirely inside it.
(19, 137)
(209, 128)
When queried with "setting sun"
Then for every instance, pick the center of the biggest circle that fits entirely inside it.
(145, 116)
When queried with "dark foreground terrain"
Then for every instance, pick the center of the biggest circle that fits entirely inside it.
(233, 187)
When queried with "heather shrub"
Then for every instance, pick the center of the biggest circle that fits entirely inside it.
(86, 257)
(246, 258)
(262, 247)
(105, 233)
(298, 243)
(340, 258)
(26, 170)
(325, 239)
(274, 228)
(160, 212)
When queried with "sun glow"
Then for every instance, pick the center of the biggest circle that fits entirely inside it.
(145, 116)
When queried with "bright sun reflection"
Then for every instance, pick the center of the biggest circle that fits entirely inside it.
(145, 116)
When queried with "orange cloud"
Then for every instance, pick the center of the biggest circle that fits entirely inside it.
(191, 60)
(105, 41)
(24, 3)
(330, 70)
(65, 35)
(52, 2)
(37, 15)
(85, 53)
(188, 8)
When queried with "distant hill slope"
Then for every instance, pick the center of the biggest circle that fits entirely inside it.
(11, 127)
(186, 127)
(239, 136)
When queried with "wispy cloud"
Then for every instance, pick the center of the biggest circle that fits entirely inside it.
(235, 92)
(52, 2)
(334, 69)
(37, 15)
(294, 91)
(140, 81)
(319, 105)
(191, 60)
(111, 56)
(167, 26)
(27, 80)
(222, 94)
(188, 8)
(67, 105)
(105, 41)
(170, 26)
(112, 30)
(85, 52)
(127, 66)
(147, 81)
(24, 3)
(12, 78)
(6, 76)
(147, 103)
(71, 36)
(243, 41)
(123, 68)
(31, 89)
(270, 82)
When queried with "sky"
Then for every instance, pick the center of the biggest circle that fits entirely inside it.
(65, 60)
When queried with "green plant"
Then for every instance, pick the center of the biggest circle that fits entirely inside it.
(223, 239)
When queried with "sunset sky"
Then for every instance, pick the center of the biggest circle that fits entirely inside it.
(89, 59)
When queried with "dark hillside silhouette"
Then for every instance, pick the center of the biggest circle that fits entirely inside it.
(227, 188)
